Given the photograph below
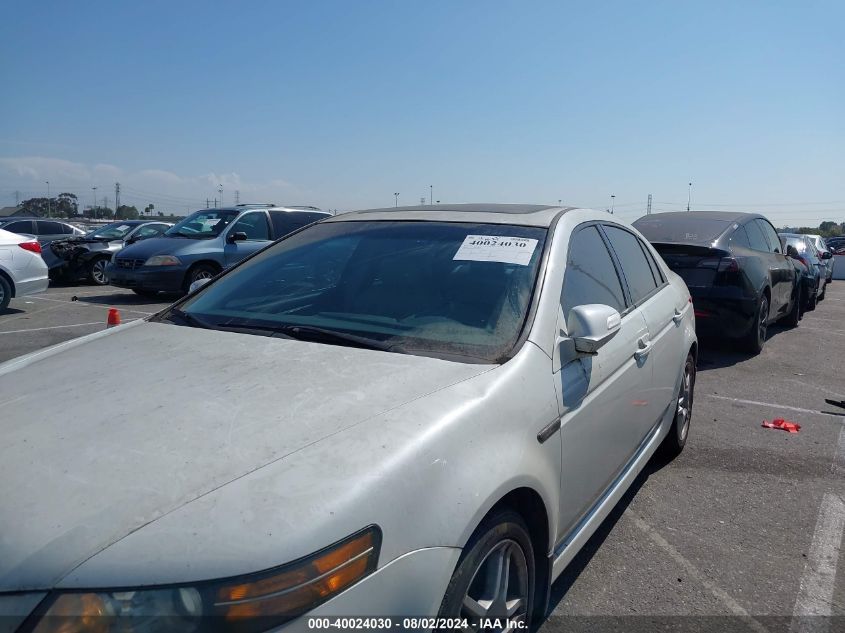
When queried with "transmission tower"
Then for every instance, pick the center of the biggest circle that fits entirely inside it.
(648, 209)
(116, 196)
(237, 197)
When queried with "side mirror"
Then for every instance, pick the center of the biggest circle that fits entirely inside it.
(826, 255)
(237, 236)
(791, 251)
(199, 283)
(592, 325)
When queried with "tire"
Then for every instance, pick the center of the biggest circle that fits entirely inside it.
(794, 317)
(145, 293)
(756, 337)
(97, 271)
(823, 292)
(812, 299)
(200, 271)
(502, 536)
(675, 441)
(5, 293)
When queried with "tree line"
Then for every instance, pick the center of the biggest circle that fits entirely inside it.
(66, 205)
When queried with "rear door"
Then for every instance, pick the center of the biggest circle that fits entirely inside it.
(257, 229)
(600, 396)
(663, 313)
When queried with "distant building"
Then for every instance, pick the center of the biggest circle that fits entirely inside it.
(5, 212)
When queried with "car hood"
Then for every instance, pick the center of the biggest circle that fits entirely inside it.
(109, 433)
(161, 246)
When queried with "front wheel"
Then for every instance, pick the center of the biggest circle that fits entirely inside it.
(677, 438)
(756, 337)
(200, 271)
(495, 578)
(97, 271)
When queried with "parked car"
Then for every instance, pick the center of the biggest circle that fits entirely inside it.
(45, 230)
(811, 270)
(826, 256)
(203, 244)
(835, 244)
(374, 415)
(22, 271)
(86, 257)
(733, 263)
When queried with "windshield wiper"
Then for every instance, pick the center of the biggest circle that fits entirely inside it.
(311, 333)
(190, 319)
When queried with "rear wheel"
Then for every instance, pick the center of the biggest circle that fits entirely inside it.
(495, 575)
(824, 290)
(674, 443)
(812, 298)
(756, 337)
(97, 271)
(5, 293)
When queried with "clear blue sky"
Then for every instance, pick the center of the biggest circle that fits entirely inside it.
(342, 103)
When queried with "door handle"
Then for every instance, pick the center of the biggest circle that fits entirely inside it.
(678, 317)
(643, 348)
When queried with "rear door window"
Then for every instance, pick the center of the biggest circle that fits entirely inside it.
(635, 266)
(756, 238)
(740, 238)
(770, 234)
(590, 275)
(285, 222)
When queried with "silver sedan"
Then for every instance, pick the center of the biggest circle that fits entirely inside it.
(396, 412)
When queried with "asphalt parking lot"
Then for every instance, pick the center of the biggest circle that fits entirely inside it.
(747, 522)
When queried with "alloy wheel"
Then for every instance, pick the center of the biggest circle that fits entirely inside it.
(499, 588)
(684, 410)
(764, 318)
(98, 272)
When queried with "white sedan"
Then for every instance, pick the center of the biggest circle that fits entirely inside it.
(397, 412)
(22, 270)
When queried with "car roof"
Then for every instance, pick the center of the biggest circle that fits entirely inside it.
(267, 207)
(521, 214)
(13, 218)
(725, 216)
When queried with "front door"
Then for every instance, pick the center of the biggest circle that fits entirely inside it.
(599, 396)
(257, 231)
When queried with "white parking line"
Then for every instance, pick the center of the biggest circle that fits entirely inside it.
(91, 305)
(770, 405)
(815, 595)
(723, 596)
(55, 327)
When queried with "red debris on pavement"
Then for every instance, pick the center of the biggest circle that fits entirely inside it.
(783, 425)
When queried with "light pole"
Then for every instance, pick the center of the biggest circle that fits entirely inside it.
(612, 201)
(93, 212)
(396, 199)
(431, 194)
(49, 210)
(689, 196)
(220, 189)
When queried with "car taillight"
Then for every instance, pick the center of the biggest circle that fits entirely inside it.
(720, 264)
(33, 247)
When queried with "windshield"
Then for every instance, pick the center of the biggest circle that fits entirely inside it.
(695, 230)
(453, 290)
(116, 231)
(203, 224)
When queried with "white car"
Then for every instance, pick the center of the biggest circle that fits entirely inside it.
(397, 412)
(22, 270)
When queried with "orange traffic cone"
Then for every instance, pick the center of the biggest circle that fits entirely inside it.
(113, 318)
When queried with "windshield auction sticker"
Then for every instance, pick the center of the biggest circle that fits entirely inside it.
(496, 248)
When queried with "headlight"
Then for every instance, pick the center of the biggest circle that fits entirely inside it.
(244, 604)
(162, 260)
